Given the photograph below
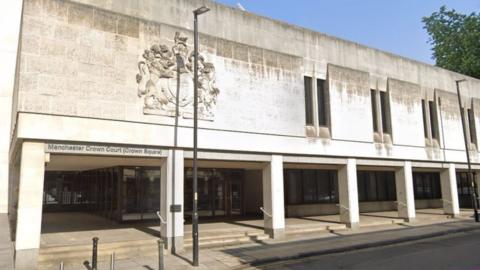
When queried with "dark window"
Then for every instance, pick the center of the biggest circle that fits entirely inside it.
(424, 117)
(376, 186)
(426, 185)
(293, 189)
(373, 94)
(311, 186)
(308, 100)
(322, 104)
(433, 120)
(385, 112)
(471, 124)
(463, 186)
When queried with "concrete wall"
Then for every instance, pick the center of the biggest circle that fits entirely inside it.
(422, 204)
(79, 62)
(10, 13)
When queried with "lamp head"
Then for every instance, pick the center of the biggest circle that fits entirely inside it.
(201, 10)
(459, 81)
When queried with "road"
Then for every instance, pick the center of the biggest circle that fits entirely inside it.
(459, 251)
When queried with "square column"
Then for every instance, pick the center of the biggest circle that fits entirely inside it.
(405, 195)
(30, 199)
(171, 193)
(273, 204)
(448, 182)
(476, 178)
(348, 193)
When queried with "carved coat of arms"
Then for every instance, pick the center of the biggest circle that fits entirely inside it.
(163, 69)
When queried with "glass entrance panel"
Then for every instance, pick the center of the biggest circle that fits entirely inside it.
(236, 197)
(131, 192)
(204, 195)
(150, 179)
(219, 196)
(219, 192)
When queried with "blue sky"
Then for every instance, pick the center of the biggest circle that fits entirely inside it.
(394, 26)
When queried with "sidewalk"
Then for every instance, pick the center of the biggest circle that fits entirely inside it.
(262, 252)
(6, 246)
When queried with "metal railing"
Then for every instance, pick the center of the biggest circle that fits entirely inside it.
(265, 212)
(162, 221)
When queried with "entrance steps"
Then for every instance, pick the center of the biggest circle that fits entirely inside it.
(218, 239)
(291, 230)
(75, 255)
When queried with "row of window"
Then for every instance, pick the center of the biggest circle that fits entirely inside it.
(321, 186)
(380, 111)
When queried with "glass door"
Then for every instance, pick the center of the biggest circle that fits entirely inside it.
(218, 196)
(131, 195)
(150, 181)
(235, 196)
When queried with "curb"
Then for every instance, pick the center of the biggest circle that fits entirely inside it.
(354, 247)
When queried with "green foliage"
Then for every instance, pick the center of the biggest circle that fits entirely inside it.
(455, 39)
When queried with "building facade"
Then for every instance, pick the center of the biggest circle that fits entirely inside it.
(292, 122)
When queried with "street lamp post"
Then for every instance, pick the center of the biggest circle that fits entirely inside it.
(469, 174)
(196, 13)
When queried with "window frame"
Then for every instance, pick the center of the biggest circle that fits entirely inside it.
(309, 110)
(332, 176)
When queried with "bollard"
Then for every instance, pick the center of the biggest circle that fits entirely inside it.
(94, 253)
(112, 261)
(161, 247)
(61, 265)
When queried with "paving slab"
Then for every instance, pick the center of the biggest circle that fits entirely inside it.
(6, 245)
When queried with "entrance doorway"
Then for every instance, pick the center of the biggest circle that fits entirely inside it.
(119, 193)
(220, 192)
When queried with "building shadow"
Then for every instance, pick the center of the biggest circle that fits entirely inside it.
(319, 220)
(182, 258)
(378, 216)
(430, 213)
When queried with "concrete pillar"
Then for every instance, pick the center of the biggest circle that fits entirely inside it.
(405, 195)
(476, 176)
(30, 198)
(348, 193)
(14, 176)
(273, 204)
(10, 13)
(448, 182)
(172, 230)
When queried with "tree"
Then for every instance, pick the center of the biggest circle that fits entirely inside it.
(455, 39)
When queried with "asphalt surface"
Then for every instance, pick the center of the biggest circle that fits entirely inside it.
(456, 251)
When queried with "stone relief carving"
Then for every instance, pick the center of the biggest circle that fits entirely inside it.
(157, 81)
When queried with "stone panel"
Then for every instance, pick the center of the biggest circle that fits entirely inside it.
(224, 48)
(406, 112)
(449, 115)
(255, 55)
(348, 95)
(128, 26)
(105, 21)
(240, 52)
(80, 15)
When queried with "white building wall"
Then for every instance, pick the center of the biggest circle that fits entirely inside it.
(10, 13)
(406, 113)
(349, 99)
(76, 63)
